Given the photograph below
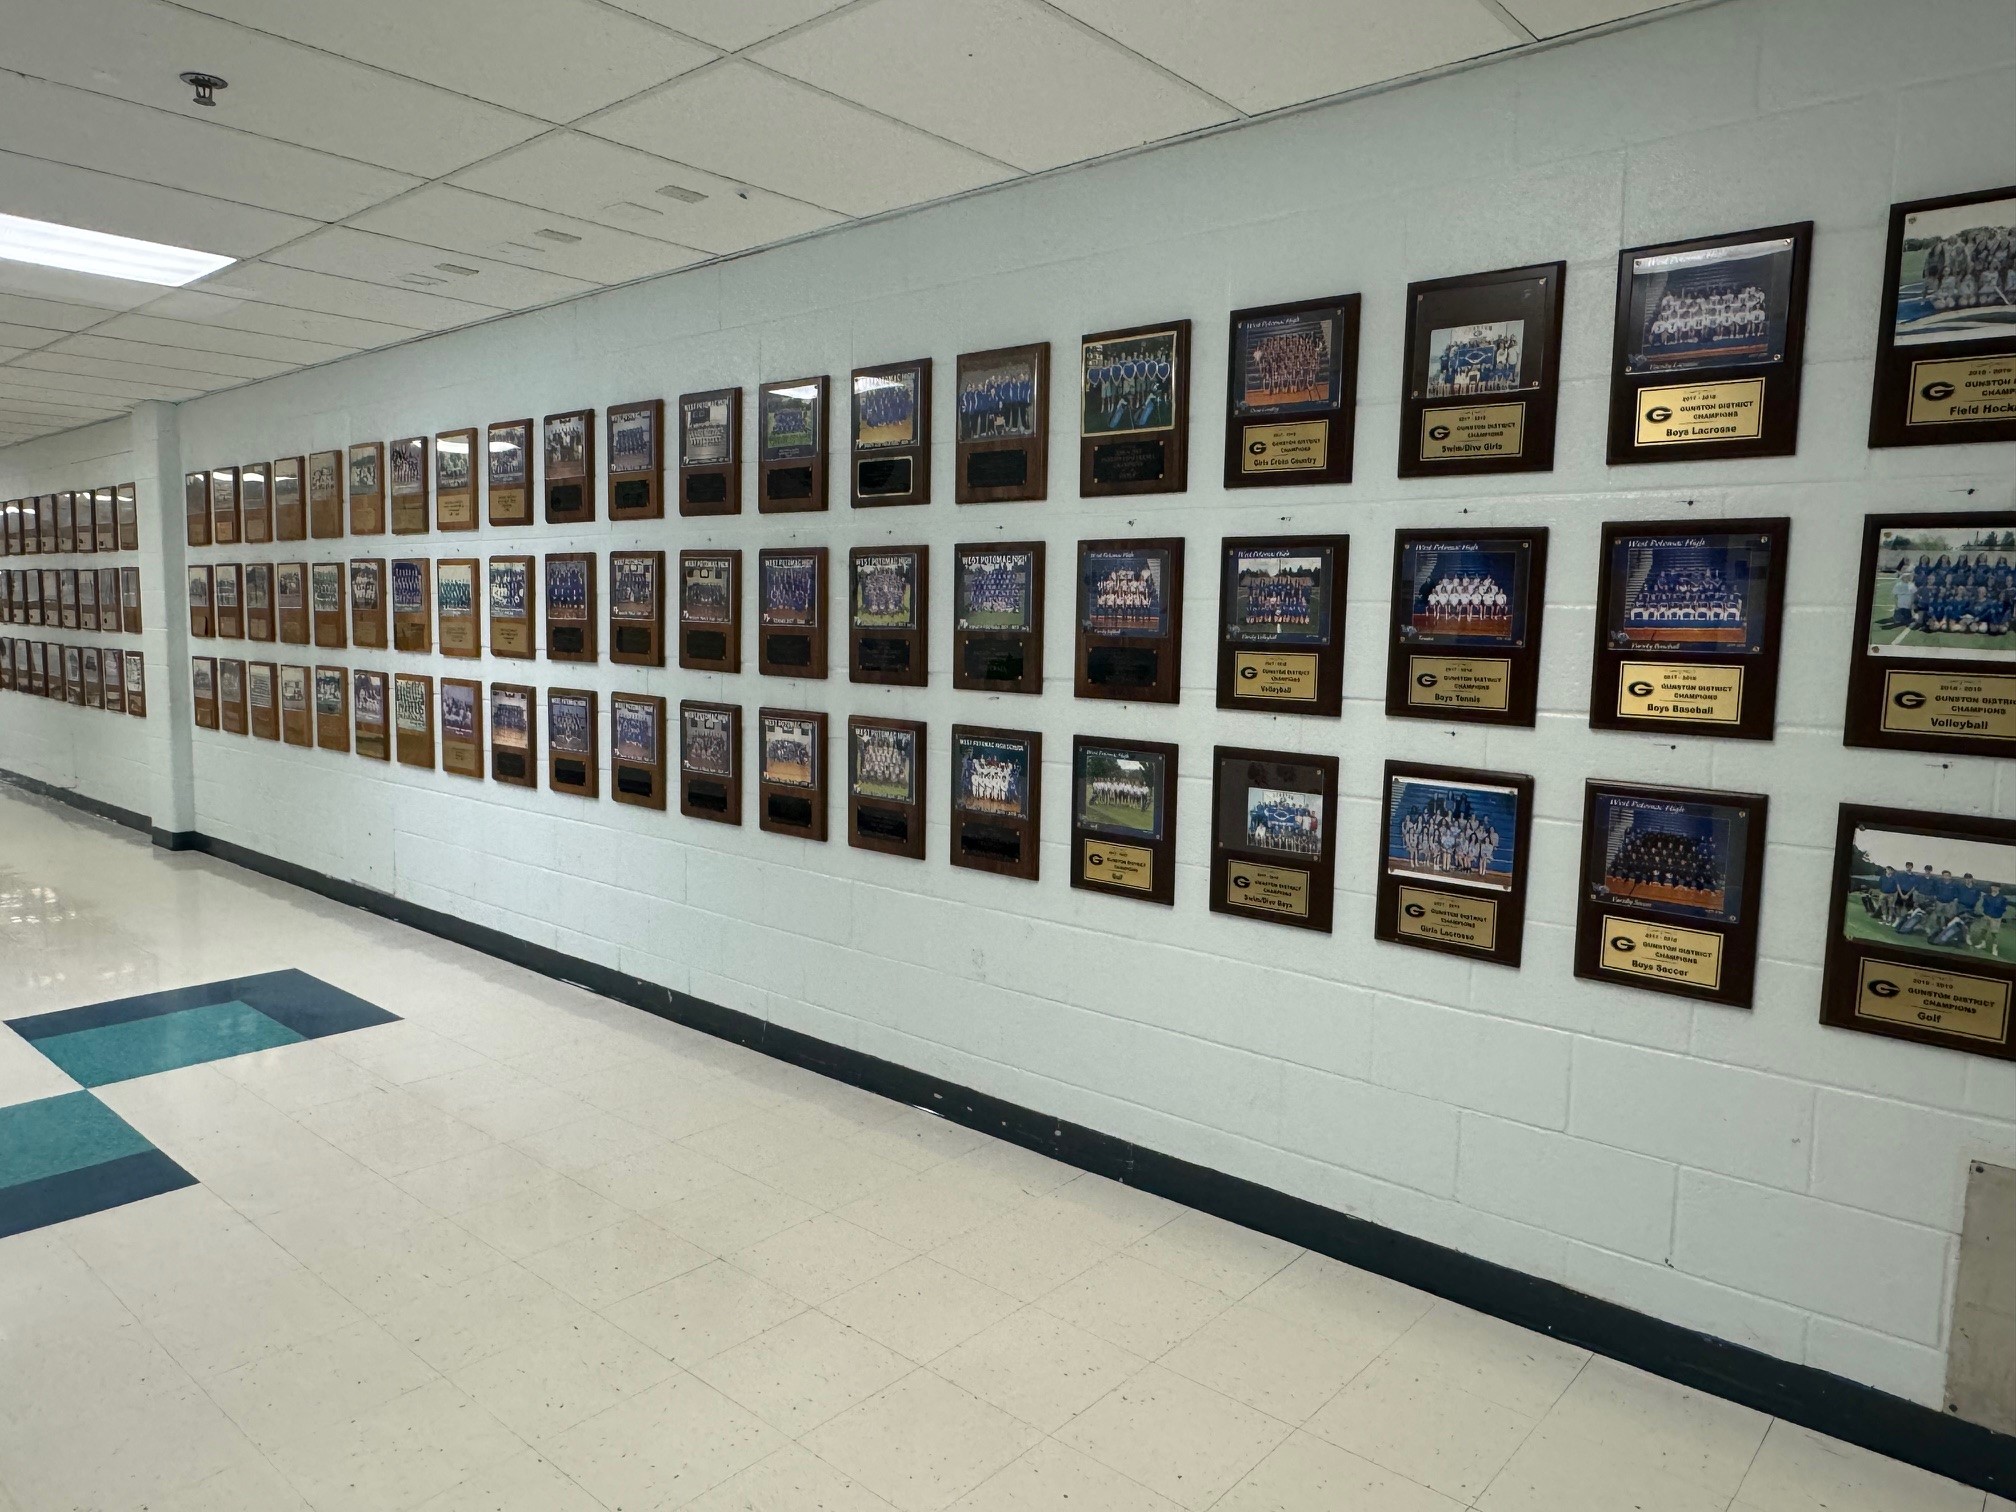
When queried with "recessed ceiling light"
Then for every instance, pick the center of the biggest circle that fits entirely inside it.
(49, 245)
(560, 236)
(458, 268)
(681, 192)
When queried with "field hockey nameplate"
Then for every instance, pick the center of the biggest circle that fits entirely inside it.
(1961, 390)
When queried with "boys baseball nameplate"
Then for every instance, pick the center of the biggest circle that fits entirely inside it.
(407, 462)
(508, 472)
(514, 591)
(637, 460)
(886, 622)
(1483, 373)
(413, 719)
(791, 446)
(367, 603)
(367, 488)
(1274, 836)
(455, 480)
(570, 467)
(1134, 411)
(458, 628)
(637, 749)
(1280, 632)
(1291, 393)
(255, 495)
(570, 606)
(710, 761)
(891, 461)
(1452, 863)
(290, 595)
(290, 504)
(791, 612)
(570, 742)
(1463, 639)
(710, 452)
(296, 713)
(514, 734)
(997, 628)
(1002, 453)
(325, 495)
(462, 727)
(1123, 818)
(332, 709)
(710, 611)
(369, 716)
(637, 608)
(412, 604)
(997, 800)
(1130, 619)
(791, 772)
(885, 786)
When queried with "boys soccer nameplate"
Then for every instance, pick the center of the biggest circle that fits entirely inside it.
(637, 461)
(115, 685)
(1002, 453)
(570, 606)
(1688, 615)
(1130, 619)
(570, 742)
(1134, 411)
(1914, 932)
(514, 734)
(1292, 393)
(791, 618)
(1123, 818)
(791, 446)
(885, 786)
(791, 772)
(462, 727)
(290, 595)
(710, 452)
(230, 601)
(710, 762)
(412, 605)
(290, 505)
(258, 601)
(637, 749)
(407, 462)
(367, 488)
(637, 608)
(374, 739)
(1707, 352)
(296, 715)
(1671, 882)
(997, 800)
(455, 480)
(231, 696)
(1933, 667)
(1483, 373)
(887, 622)
(1280, 633)
(262, 697)
(514, 590)
(195, 510)
(458, 630)
(136, 684)
(1463, 640)
(367, 602)
(1452, 870)
(224, 516)
(997, 628)
(201, 623)
(332, 709)
(891, 435)
(255, 495)
(413, 719)
(1945, 346)
(570, 467)
(325, 495)
(508, 471)
(710, 616)
(1273, 836)
(203, 689)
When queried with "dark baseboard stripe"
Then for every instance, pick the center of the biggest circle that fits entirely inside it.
(175, 840)
(1815, 1399)
(77, 800)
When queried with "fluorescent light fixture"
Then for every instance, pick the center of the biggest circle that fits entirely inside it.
(49, 245)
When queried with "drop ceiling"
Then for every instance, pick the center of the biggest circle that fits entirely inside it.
(384, 170)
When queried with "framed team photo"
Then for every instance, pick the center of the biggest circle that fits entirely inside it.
(710, 611)
(514, 595)
(366, 464)
(507, 472)
(514, 736)
(325, 495)
(203, 689)
(1292, 393)
(406, 459)
(1280, 632)
(367, 602)
(637, 607)
(567, 443)
(884, 762)
(885, 786)
(637, 460)
(997, 779)
(1002, 449)
(571, 616)
(1452, 873)
(887, 621)
(791, 772)
(1483, 373)
(1464, 635)
(997, 629)
(412, 604)
(458, 623)
(296, 711)
(1946, 340)
(891, 434)
(1273, 836)
(413, 719)
(710, 452)
(368, 713)
(1933, 666)
(1130, 619)
(791, 445)
(462, 727)
(1134, 410)
(1916, 944)
(1671, 882)
(710, 762)
(230, 693)
(791, 627)
(637, 744)
(1123, 818)
(331, 689)
(570, 742)
(790, 750)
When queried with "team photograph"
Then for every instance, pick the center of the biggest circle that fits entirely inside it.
(1930, 892)
(1123, 593)
(997, 400)
(635, 728)
(510, 718)
(885, 763)
(328, 689)
(1287, 364)
(451, 465)
(706, 590)
(992, 777)
(566, 446)
(364, 469)
(1118, 791)
(1452, 832)
(1673, 858)
(322, 475)
(1956, 280)
(1943, 595)
(409, 588)
(1483, 357)
(790, 590)
(1716, 307)
(1462, 593)
(507, 589)
(705, 742)
(704, 428)
(885, 592)
(363, 585)
(1698, 593)
(1129, 385)
(566, 588)
(632, 446)
(790, 423)
(1279, 595)
(567, 726)
(633, 586)
(508, 445)
(408, 466)
(1281, 819)
(885, 410)
(294, 690)
(994, 590)
(790, 751)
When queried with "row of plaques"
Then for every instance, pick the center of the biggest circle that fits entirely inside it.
(105, 599)
(92, 677)
(86, 521)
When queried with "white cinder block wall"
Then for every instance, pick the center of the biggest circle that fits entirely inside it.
(1750, 1174)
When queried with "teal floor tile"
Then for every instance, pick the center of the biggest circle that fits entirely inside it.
(60, 1134)
(119, 1052)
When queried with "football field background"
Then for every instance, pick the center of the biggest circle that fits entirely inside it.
(1882, 633)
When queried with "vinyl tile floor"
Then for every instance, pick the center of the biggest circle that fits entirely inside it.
(528, 1250)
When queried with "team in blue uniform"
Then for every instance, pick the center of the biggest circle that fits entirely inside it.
(1962, 912)
(1954, 594)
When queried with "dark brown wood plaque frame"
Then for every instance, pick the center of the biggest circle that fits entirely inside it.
(570, 484)
(893, 655)
(94, 678)
(366, 584)
(47, 531)
(255, 502)
(332, 726)
(1444, 911)
(266, 719)
(637, 484)
(105, 518)
(66, 597)
(1436, 677)
(294, 623)
(1273, 445)
(1109, 665)
(515, 765)
(514, 636)
(1440, 422)
(997, 659)
(66, 523)
(1004, 469)
(109, 616)
(328, 473)
(1274, 674)
(508, 490)
(364, 463)
(202, 675)
(413, 747)
(572, 626)
(228, 601)
(710, 642)
(1007, 844)
(411, 591)
(704, 793)
(232, 717)
(791, 808)
(803, 646)
(297, 725)
(290, 499)
(457, 633)
(1137, 461)
(226, 524)
(195, 509)
(126, 505)
(1110, 857)
(462, 752)
(572, 768)
(202, 601)
(879, 476)
(794, 484)
(1260, 882)
(711, 485)
(893, 825)
(114, 673)
(407, 504)
(87, 598)
(455, 499)
(631, 780)
(637, 639)
(259, 619)
(136, 684)
(373, 735)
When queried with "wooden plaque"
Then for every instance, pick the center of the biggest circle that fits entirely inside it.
(455, 480)
(326, 595)
(570, 606)
(255, 496)
(52, 596)
(1134, 411)
(195, 507)
(637, 608)
(569, 443)
(1671, 883)
(886, 760)
(1932, 666)
(710, 611)
(1274, 836)
(888, 621)
(508, 472)
(367, 488)
(891, 435)
(31, 597)
(570, 742)
(290, 505)
(325, 495)
(1123, 818)
(136, 684)
(514, 598)
(47, 532)
(1453, 856)
(202, 620)
(1921, 954)
(791, 446)
(10, 528)
(94, 679)
(460, 631)
(997, 800)
(226, 525)
(1130, 619)
(791, 611)
(710, 452)
(113, 663)
(262, 697)
(1463, 637)
(83, 539)
(1291, 393)
(637, 460)
(462, 727)
(258, 601)
(203, 689)
(109, 615)
(38, 669)
(514, 734)
(332, 708)
(296, 713)
(127, 505)
(413, 719)
(1945, 350)
(371, 717)
(710, 761)
(791, 772)
(1689, 615)
(105, 519)
(66, 579)
(290, 597)
(1002, 454)
(412, 605)
(407, 462)
(229, 591)
(87, 599)
(1281, 623)
(1483, 373)
(637, 749)
(367, 603)
(66, 523)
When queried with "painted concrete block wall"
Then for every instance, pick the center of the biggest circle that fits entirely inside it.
(1746, 1173)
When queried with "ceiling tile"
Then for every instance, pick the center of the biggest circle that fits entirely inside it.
(595, 180)
(1550, 18)
(27, 338)
(404, 265)
(145, 356)
(126, 207)
(730, 23)
(461, 220)
(133, 49)
(48, 314)
(1010, 78)
(57, 414)
(238, 312)
(19, 381)
(57, 360)
(225, 342)
(62, 286)
(1263, 54)
(303, 289)
(745, 123)
(556, 59)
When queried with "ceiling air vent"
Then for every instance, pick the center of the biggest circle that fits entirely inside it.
(560, 236)
(458, 268)
(681, 193)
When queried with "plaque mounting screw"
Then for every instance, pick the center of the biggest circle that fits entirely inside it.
(206, 87)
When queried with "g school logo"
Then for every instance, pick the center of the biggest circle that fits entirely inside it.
(1623, 944)
(1937, 391)
(1883, 989)
(1256, 448)
(1426, 680)
(1241, 882)
(1415, 911)
(1909, 698)
(1659, 414)
(1639, 689)
(1438, 433)
(1094, 858)
(1249, 672)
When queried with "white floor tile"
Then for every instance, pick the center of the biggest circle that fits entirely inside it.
(1306, 1473)
(1050, 1476)
(1131, 1303)
(789, 1480)
(820, 1258)
(1562, 1472)
(1797, 1470)
(526, 1482)
(1281, 1368)
(1179, 1438)
(547, 1214)
(663, 1447)
(737, 1213)
(548, 1383)
(1498, 1361)
(399, 1455)
(1214, 1253)
(318, 1383)
(1423, 1429)
(1693, 1435)
(801, 1373)
(1038, 1368)
(697, 1315)
(922, 1443)
(617, 1261)
(921, 1308)
(457, 1324)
